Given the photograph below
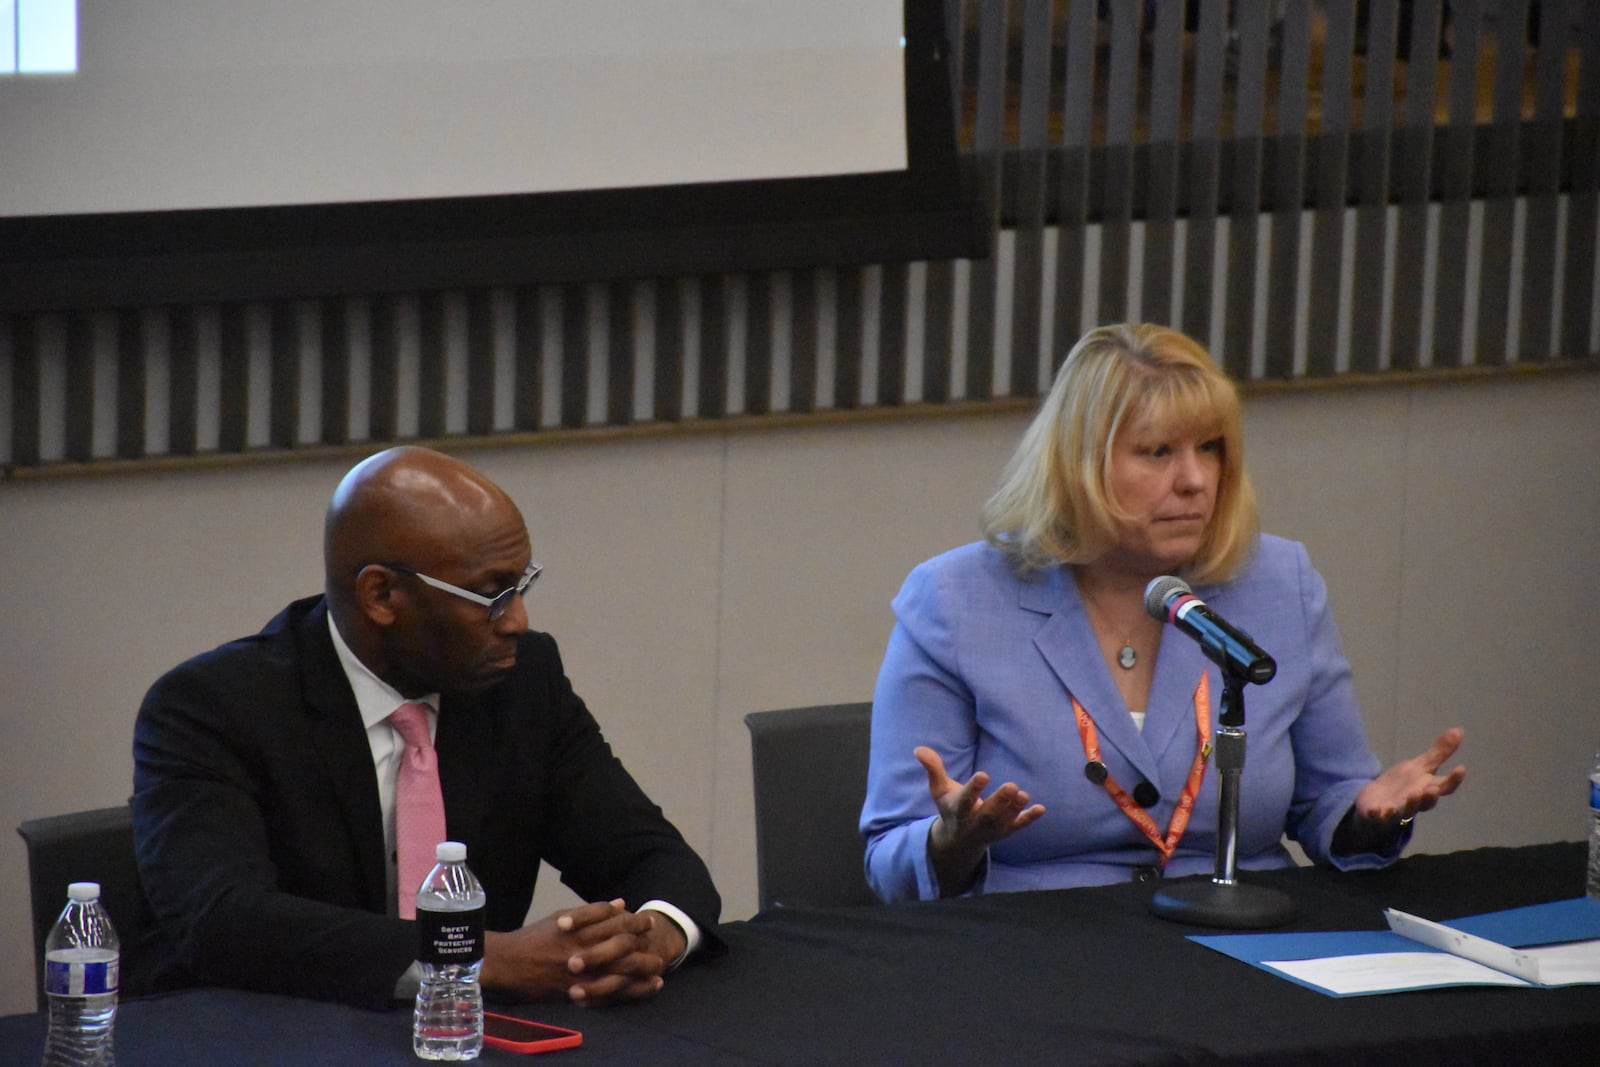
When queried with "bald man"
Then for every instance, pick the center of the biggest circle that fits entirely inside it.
(265, 772)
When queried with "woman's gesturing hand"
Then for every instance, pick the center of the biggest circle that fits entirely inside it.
(969, 822)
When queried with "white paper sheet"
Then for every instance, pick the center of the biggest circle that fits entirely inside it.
(1386, 971)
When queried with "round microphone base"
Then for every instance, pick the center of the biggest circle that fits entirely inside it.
(1233, 906)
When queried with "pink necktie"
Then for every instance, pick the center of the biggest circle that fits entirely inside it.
(418, 806)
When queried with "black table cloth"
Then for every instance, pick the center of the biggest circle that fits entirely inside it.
(1080, 976)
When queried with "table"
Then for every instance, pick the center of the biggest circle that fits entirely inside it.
(1080, 976)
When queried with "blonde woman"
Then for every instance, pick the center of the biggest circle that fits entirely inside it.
(1029, 659)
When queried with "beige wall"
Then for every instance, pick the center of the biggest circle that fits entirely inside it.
(693, 579)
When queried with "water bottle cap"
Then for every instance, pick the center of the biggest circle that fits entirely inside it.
(83, 891)
(450, 852)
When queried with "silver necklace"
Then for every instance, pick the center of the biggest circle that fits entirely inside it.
(1127, 655)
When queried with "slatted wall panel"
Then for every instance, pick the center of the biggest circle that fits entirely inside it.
(1314, 189)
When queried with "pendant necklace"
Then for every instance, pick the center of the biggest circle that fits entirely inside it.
(1127, 655)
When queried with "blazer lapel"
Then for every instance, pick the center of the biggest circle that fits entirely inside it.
(1170, 720)
(1068, 645)
(465, 734)
(343, 751)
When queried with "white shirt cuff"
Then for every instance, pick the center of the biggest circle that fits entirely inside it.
(691, 932)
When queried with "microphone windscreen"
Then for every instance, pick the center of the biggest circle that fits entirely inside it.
(1159, 591)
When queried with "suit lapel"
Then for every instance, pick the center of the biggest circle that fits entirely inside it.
(465, 733)
(1066, 641)
(1171, 719)
(344, 752)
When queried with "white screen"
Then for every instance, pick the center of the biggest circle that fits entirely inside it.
(239, 103)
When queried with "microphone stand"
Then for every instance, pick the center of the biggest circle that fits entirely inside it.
(1224, 901)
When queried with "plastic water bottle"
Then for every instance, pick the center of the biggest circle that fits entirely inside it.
(1594, 828)
(449, 1019)
(81, 964)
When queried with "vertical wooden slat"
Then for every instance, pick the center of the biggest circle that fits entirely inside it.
(981, 312)
(1368, 284)
(1583, 205)
(80, 399)
(670, 350)
(335, 371)
(955, 41)
(758, 343)
(1333, 166)
(480, 361)
(575, 354)
(1027, 277)
(1413, 181)
(383, 378)
(1542, 182)
(234, 421)
(715, 348)
(1288, 192)
(131, 408)
(283, 400)
(1116, 228)
(432, 376)
(1161, 185)
(1244, 201)
(1455, 211)
(1202, 180)
(527, 314)
(620, 357)
(892, 333)
(25, 392)
(183, 405)
(849, 343)
(803, 342)
(1500, 185)
(1072, 196)
(938, 330)
(938, 325)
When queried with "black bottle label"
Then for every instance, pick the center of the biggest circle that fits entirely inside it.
(446, 937)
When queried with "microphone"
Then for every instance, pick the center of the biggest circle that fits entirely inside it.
(1170, 599)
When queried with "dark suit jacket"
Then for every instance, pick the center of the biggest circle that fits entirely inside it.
(259, 832)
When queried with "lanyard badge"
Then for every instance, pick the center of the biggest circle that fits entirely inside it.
(1095, 771)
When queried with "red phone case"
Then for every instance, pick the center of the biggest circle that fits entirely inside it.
(539, 1037)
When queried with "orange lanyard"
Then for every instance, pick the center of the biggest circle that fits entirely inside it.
(1096, 771)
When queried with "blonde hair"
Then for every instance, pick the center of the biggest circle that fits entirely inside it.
(1053, 505)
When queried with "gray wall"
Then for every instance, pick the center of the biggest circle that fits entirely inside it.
(694, 578)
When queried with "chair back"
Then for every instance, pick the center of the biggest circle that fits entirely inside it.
(810, 774)
(87, 846)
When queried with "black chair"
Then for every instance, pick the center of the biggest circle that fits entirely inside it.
(810, 772)
(87, 846)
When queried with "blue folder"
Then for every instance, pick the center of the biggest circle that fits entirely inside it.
(1537, 924)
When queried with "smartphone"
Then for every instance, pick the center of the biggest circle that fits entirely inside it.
(524, 1035)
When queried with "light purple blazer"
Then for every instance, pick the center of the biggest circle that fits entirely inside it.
(979, 667)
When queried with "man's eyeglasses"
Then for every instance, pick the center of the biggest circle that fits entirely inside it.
(496, 604)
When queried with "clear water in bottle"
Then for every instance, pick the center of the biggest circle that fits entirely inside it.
(82, 972)
(449, 1018)
(448, 1023)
